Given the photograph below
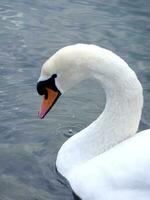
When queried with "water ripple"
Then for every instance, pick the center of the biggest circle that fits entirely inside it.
(30, 32)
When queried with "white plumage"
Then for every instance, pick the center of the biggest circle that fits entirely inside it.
(106, 160)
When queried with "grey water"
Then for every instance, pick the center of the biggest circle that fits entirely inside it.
(30, 32)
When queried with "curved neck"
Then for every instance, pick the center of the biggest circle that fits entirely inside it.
(119, 120)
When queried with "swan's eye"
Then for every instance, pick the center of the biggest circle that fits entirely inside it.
(54, 76)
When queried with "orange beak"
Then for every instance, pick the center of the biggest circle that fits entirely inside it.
(48, 102)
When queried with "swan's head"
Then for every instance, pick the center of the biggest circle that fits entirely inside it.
(74, 63)
(58, 74)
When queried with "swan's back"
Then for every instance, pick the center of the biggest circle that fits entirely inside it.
(123, 172)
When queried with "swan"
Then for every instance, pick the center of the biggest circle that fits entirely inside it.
(107, 160)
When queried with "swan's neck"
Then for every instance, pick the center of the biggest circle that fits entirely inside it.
(119, 120)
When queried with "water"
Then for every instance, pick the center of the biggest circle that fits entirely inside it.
(30, 32)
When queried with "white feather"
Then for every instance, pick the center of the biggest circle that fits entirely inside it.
(104, 161)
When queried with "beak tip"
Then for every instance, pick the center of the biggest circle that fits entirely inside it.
(40, 115)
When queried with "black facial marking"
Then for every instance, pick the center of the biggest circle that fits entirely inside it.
(49, 83)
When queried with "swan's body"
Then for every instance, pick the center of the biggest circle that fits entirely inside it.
(97, 167)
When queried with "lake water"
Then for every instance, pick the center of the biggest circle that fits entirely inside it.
(30, 32)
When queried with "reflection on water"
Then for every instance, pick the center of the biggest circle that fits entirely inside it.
(30, 32)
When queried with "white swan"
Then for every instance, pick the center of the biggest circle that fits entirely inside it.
(106, 160)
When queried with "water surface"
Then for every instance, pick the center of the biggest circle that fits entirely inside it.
(30, 32)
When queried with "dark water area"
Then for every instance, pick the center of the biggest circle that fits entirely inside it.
(30, 32)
